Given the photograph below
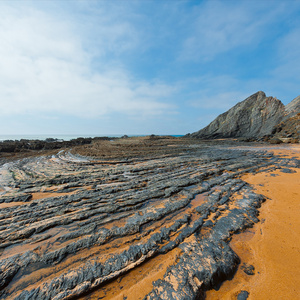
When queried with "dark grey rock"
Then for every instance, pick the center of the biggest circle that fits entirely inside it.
(248, 269)
(243, 295)
(293, 107)
(275, 141)
(254, 117)
(17, 198)
(285, 170)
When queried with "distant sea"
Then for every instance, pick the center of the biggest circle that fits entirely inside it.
(65, 137)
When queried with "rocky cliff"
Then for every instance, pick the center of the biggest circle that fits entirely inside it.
(256, 116)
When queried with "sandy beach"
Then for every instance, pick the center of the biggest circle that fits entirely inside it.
(272, 246)
(149, 150)
(149, 218)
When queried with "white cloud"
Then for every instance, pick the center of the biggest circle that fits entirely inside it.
(45, 67)
(220, 26)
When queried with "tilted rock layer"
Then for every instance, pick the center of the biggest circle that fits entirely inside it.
(70, 226)
(293, 107)
(288, 128)
(256, 116)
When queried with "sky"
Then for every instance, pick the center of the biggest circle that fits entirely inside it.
(141, 67)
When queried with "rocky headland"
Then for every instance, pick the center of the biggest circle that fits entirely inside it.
(132, 218)
(256, 118)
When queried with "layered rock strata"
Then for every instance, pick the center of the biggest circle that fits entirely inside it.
(293, 107)
(288, 129)
(69, 225)
(255, 117)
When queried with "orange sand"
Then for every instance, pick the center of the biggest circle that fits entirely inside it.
(272, 246)
(138, 282)
(11, 204)
(42, 195)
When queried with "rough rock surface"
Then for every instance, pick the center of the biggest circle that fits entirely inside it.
(293, 107)
(69, 225)
(289, 129)
(255, 116)
(243, 295)
(10, 146)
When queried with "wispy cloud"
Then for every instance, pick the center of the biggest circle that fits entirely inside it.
(155, 66)
(220, 26)
(44, 67)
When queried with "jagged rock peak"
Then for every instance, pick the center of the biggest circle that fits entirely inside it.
(256, 116)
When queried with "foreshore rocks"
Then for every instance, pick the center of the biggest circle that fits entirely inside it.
(69, 224)
(9, 146)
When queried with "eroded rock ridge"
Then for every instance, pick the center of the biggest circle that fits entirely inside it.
(69, 225)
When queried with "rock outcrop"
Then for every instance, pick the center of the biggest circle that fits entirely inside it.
(255, 117)
(288, 129)
(70, 226)
(23, 145)
(293, 107)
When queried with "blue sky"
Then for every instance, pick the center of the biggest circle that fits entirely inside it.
(141, 67)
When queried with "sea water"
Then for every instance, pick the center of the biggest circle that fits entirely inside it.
(65, 137)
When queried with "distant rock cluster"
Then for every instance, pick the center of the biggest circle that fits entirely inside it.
(48, 144)
(257, 117)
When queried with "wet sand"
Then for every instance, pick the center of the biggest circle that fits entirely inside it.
(272, 246)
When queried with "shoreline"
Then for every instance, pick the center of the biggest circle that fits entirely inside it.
(272, 246)
(172, 199)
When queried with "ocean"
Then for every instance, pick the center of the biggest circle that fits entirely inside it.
(65, 137)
